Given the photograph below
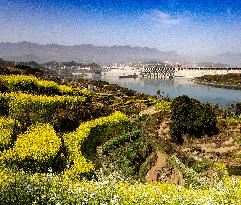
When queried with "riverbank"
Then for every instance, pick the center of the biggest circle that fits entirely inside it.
(234, 87)
(229, 81)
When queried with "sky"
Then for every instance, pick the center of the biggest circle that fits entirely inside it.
(189, 27)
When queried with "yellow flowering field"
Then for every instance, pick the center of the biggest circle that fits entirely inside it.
(32, 83)
(37, 108)
(7, 128)
(39, 143)
(164, 106)
(28, 161)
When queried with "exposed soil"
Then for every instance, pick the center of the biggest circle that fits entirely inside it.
(163, 172)
(149, 111)
(165, 129)
(222, 148)
(153, 173)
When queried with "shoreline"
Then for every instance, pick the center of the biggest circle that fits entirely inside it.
(218, 85)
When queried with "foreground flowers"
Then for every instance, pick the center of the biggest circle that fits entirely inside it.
(59, 189)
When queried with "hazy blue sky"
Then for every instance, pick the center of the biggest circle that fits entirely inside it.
(195, 27)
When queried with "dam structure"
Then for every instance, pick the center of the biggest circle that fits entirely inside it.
(156, 71)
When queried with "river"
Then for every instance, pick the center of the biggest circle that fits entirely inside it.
(178, 86)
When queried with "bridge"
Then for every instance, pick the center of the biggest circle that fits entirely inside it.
(156, 71)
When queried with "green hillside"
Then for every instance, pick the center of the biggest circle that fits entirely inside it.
(61, 143)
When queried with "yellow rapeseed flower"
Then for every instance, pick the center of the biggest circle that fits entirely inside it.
(39, 143)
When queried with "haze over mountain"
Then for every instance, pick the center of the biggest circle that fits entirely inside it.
(26, 51)
(233, 59)
(226, 59)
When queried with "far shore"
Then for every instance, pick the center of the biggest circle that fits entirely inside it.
(218, 85)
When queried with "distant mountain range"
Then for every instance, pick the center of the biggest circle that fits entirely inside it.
(26, 51)
(88, 53)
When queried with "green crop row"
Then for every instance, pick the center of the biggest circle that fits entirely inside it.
(74, 141)
(28, 108)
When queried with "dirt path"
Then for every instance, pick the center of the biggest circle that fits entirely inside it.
(164, 130)
(163, 172)
(149, 111)
(154, 172)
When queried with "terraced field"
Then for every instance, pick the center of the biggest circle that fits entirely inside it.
(63, 144)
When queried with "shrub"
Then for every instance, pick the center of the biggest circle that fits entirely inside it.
(238, 110)
(191, 117)
(35, 149)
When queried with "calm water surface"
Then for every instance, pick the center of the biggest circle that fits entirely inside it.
(179, 86)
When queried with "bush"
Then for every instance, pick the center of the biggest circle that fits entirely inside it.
(191, 117)
(238, 109)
